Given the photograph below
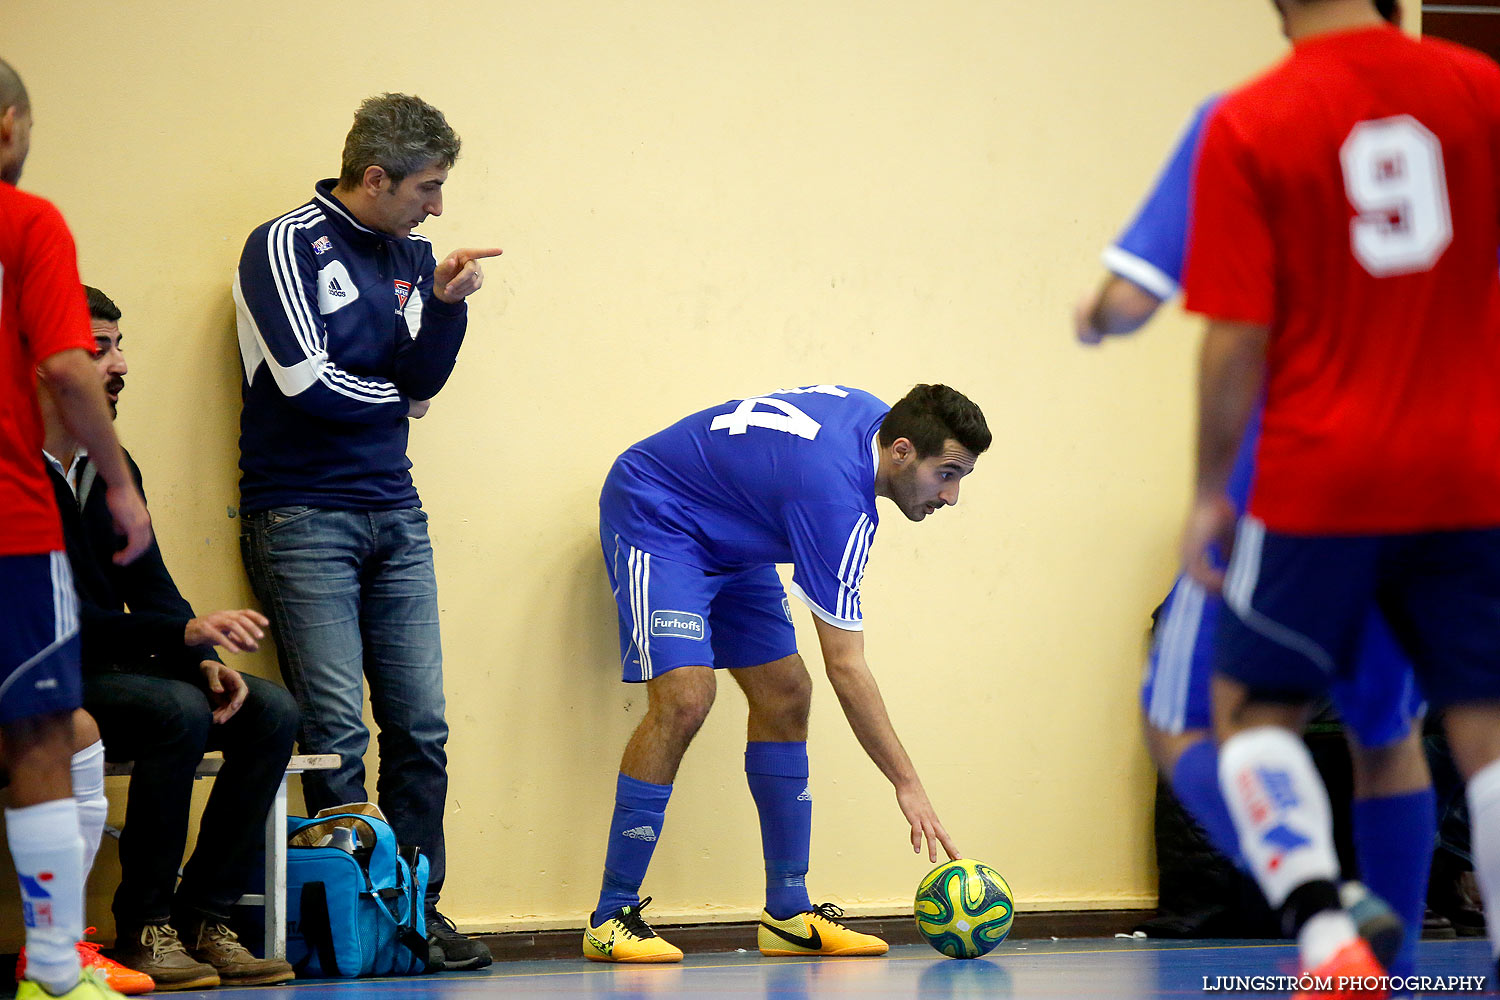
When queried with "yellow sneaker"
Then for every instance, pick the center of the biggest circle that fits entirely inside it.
(90, 986)
(625, 937)
(815, 932)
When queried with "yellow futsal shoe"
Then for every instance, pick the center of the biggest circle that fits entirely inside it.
(90, 986)
(815, 932)
(625, 937)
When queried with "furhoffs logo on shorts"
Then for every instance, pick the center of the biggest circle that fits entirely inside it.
(677, 623)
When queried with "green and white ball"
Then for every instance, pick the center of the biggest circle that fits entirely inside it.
(964, 908)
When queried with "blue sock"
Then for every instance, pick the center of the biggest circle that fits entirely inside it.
(777, 773)
(640, 808)
(1195, 782)
(1393, 840)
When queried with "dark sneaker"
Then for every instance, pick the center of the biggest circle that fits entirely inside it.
(156, 950)
(450, 951)
(209, 941)
(1457, 898)
(1436, 927)
(1376, 921)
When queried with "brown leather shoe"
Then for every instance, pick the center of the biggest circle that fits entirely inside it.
(156, 950)
(209, 941)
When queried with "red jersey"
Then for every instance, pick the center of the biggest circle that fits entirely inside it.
(42, 311)
(1349, 200)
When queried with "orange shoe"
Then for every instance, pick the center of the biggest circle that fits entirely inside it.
(1351, 974)
(116, 976)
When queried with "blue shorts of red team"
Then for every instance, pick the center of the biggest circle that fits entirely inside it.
(1380, 704)
(39, 647)
(1299, 605)
(676, 615)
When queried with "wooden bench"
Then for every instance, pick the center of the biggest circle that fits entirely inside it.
(274, 898)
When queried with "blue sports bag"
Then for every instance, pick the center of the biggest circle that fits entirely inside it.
(354, 912)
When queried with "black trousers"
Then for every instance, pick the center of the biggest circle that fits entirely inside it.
(165, 726)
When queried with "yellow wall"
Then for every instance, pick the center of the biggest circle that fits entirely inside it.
(699, 200)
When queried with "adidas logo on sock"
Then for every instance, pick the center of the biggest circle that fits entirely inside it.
(641, 833)
(806, 795)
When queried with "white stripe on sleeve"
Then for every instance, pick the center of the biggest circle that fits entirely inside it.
(305, 326)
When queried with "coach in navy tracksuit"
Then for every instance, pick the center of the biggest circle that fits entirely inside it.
(347, 326)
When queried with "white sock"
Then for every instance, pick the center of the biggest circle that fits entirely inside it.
(1484, 842)
(1280, 810)
(48, 853)
(93, 807)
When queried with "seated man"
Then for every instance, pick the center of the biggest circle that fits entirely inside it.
(162, 698)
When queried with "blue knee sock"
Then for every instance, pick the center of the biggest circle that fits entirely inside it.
(640, 808)
(777, 773)
(1393, 840)
(1195, 782)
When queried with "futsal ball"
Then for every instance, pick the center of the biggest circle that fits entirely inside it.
(963, 908)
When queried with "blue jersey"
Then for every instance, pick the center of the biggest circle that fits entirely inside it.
(1153, 250)
(784, 477)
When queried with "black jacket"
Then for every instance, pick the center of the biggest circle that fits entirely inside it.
(147, 638)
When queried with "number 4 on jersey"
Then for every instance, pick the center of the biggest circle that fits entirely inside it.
(786, 418)
(1393, 174)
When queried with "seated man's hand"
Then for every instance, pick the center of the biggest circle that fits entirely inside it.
(226, 689)
(237, 631)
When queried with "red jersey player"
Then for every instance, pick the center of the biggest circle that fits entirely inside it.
(1346, 223)
(44, 329)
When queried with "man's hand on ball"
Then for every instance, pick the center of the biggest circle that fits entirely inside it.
(924, 823)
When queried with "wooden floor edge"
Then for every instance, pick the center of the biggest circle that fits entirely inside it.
(515, 946)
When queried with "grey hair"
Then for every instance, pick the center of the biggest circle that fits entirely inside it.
(12, 90)
(399, 133)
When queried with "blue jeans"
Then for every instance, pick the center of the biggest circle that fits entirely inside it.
(351, 595)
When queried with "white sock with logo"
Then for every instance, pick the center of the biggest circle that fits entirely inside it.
(1280, 810)
(93, 807)
(1484, 833)
(48, 853)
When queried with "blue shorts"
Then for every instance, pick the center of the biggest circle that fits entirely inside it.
(1379, 704)
(675, 615)
(1300, 603)
(39, 648)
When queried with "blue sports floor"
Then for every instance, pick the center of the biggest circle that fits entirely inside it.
(1118, 969)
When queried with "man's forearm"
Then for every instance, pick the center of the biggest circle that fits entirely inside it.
(1231, 369)
(1122, 306)
(115, 637)
(859, 696)
(424, 364)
